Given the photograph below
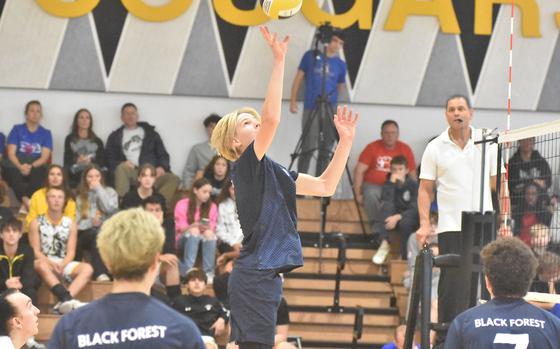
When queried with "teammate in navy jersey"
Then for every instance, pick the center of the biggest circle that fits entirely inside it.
(129, 243)
(266, 204)
(507, 321)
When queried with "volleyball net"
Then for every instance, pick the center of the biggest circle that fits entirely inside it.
(532, 180)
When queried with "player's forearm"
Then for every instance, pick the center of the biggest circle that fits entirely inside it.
(333, 172)
(273, 100)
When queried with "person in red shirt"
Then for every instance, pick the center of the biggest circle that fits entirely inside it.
(374, 165)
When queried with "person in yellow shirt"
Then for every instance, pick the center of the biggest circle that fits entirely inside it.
(38, 203)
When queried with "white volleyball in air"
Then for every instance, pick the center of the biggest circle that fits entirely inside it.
(280, 9)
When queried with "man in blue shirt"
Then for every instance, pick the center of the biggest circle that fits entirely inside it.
(129, 243)
(506, 321)
(311, 69)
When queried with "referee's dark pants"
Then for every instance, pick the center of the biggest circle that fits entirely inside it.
(453, 294)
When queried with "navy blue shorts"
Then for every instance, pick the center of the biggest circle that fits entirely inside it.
(254, 297)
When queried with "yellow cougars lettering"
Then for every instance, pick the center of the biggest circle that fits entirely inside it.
(62, 8)
(231, 14)
(558, 19)
(150, 13)
(530, 17)
(441, 9)
(360, 12)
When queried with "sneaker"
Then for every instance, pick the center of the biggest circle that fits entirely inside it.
(382, 253)
(67, 306)
(209, 278)
(103, 277)
(33, 344)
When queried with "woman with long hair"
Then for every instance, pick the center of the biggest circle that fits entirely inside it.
(82, 147)
(195, 221)
(95, 203)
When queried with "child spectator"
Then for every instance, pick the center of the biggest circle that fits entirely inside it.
(95, 204)
(217, 173)
(16, 266)
(82, 148)
(29, 149)
(228, 228)
(38, 203)
(398, 343)
(195, 221)
(399, 208)
(533, 211)
(206, 311)
(169, 261)
(146, 187)
(540, 238)
(53, 238)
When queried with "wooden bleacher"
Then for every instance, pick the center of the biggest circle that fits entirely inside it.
(309, 290)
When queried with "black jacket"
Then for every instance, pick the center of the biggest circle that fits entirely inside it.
(523, 172)
(152, 151)
(400, 199)
(21, 265)
(203, 310)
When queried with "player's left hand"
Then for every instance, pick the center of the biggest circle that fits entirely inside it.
(279, 48)
(345, 121)
(505, 230)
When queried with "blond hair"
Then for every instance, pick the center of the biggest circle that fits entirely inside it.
(129, 242)
(224, 132)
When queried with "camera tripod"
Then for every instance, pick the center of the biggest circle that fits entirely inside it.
(323, 112)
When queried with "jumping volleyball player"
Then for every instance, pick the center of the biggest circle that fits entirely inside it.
(266, 203)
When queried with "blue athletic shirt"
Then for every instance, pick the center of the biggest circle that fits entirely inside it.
(556, 310)
(29, 144)
(125, 321)
(504, 323)
(312, 67)
(266, 205)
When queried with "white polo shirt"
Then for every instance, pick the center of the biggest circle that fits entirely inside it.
(6, 343)
(457, 173)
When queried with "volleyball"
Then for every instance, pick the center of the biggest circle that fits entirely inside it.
(280, 9)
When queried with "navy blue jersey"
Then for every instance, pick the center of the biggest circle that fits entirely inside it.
(266, 205)
(504, 324)
(125, 320)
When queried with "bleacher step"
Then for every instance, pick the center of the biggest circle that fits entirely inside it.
(347, 299)
(382, 317)
(338, 333)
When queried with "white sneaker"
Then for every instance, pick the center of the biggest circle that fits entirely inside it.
(382, 253)
(32, 344)
(66, 307)
(103, 277)
(209, 278)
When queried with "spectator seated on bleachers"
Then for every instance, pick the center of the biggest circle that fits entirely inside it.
(145, 187)
(398, 208)
(82, 148)
(28, 151)
(206, 311)
(53, 237)
(38, 203)
(228, 228)
(526, 166)
(534, 210)
(16, 266)
(217, 173)
(133, 145)
(95, 203)
(200, 154)
(373, 168)
(169, 270)
(195, 222)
